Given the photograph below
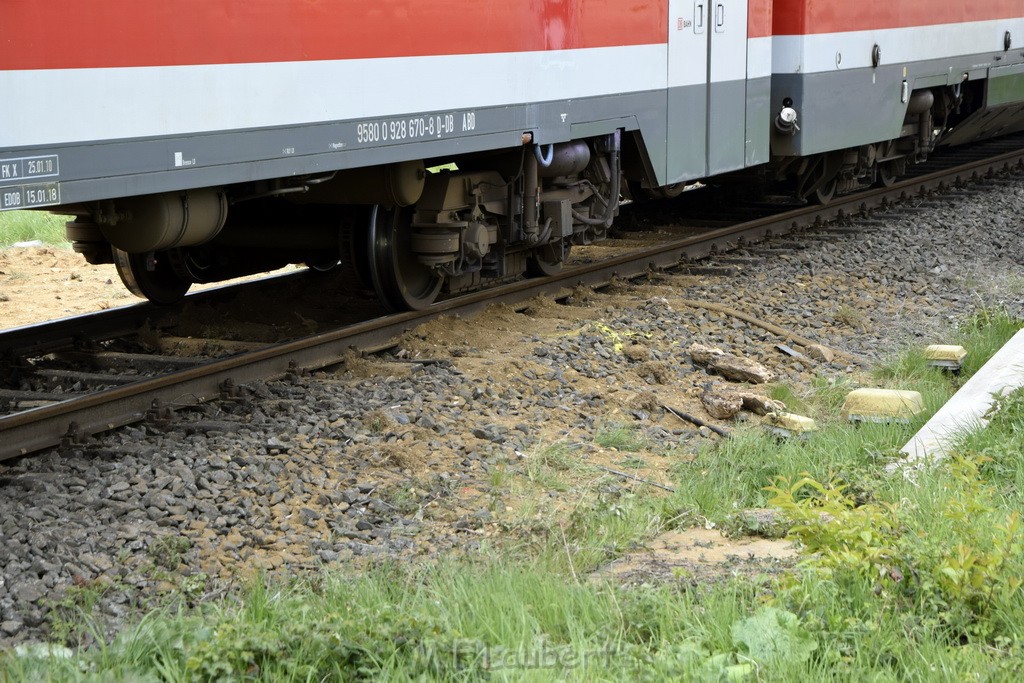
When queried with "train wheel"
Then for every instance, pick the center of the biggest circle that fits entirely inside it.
(353, 247)
(886, 174)
(825, 192)
(547, 260)
(400, 280)
(151, 276)
(668, 191)
(323, 265)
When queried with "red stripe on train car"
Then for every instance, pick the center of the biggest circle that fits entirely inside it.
(53, 34)
(802, 17)
(759, 18)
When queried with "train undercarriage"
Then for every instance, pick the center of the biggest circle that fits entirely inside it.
(479, 220)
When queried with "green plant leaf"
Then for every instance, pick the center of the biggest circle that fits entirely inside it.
(773, 634)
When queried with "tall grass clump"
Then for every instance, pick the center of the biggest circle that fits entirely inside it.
(25, 226)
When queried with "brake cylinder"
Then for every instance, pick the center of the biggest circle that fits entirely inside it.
(163, 221)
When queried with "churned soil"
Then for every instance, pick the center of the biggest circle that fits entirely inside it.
(43, 283)
(472, 431)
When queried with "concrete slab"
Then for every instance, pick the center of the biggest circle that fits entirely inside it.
(1003, 373)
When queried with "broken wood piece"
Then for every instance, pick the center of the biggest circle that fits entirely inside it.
(723, 402)
(696, 421)
(729, 365)
(760, 405)
(721, 405)
(819, 352)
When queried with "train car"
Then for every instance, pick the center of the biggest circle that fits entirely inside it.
(196, 140)
(441, 145)
(861, 89)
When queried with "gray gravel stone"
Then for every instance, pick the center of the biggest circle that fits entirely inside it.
(29, 590)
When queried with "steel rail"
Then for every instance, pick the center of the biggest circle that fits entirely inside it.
(38, 428)
(39, 338)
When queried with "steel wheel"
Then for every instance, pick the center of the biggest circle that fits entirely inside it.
(401, 282)
(886, 174)
(546, 260)
(825, 192)
(353, 248)
(668, 191)
(151, 276)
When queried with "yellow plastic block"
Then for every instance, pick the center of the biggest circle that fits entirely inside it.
(882, 405)
(789, 424)
(945, 355)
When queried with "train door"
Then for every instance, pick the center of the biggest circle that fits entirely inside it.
(687, 90)
(707, 67)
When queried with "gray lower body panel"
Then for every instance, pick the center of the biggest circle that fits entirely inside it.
(716, 129)
(759, 118)
(108, 169)
(839, 109)
(727, 125)
(850, 107)
(679, 142)
(687, 134)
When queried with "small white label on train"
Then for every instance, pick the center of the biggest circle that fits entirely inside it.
(29, 196)
(27, 168)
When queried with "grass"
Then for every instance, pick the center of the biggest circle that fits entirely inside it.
(545, 465)
(509, 623)
(621, 438)
(899, 579)
(851, 317)
(25, 226)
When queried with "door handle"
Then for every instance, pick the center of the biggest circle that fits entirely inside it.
(698, 16)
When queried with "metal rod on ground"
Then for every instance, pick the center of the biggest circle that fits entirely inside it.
(771, 327)
(627, 475)
(697, 421)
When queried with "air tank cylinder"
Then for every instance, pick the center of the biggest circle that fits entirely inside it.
(163, 221)
(399, 184)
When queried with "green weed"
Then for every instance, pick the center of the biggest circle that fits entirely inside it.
(851, 317)
(633, 462)
(25, 226)
(168, 551)
(70, 615)
(620, 438)
(795, 403)
(953, 562)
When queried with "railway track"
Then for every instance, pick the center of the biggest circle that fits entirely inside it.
(67, 404)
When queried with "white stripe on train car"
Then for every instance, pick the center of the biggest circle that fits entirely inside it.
(817, 53)
(759, 57)
(47, 107)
